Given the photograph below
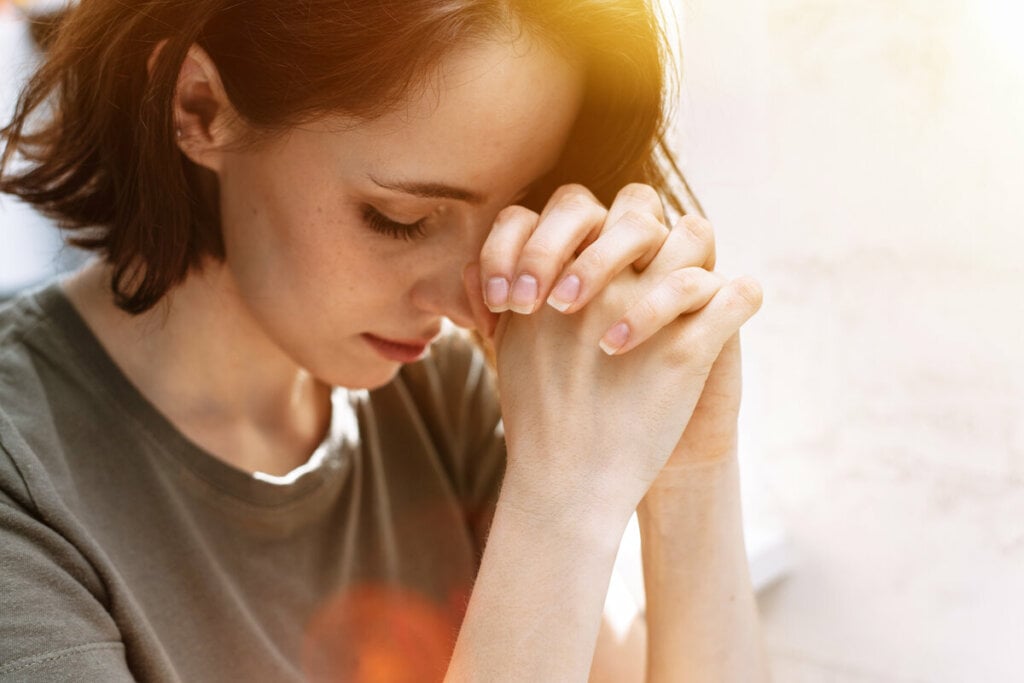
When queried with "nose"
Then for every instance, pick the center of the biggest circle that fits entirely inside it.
(440, 290)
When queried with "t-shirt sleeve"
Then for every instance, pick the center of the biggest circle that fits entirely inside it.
(464, 417)
(53, 623)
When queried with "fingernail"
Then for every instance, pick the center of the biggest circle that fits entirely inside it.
(524, 294)
(567, 291)
(615, 338)
(497, 294)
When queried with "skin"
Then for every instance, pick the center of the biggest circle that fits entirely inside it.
(242, 355)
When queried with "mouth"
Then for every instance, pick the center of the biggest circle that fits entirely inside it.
(399, 350)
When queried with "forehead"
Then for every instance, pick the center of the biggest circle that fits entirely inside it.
(492, 115)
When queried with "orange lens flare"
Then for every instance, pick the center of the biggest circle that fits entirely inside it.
(378, 633)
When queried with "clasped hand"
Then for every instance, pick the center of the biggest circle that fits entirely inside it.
(584, 408)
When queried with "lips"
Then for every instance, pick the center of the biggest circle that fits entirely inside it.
(400, 350)
(425, 341)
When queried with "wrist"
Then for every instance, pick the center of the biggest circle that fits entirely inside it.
(691, 483)
(576, 511)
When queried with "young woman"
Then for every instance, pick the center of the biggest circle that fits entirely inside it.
(237, 445)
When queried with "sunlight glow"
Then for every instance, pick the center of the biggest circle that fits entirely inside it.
(1001, 21)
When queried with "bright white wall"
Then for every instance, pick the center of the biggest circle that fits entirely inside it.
(864, 159)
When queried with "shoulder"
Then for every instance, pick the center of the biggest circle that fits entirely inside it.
(22, 355)
(44, 397)
(20, 316)
(29, 337)
(21, 391)
(31, 347)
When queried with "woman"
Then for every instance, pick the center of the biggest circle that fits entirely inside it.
(235, 446)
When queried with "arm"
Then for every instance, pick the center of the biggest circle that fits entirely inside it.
(53, 622)
(620, 657)
(710, 635)
(702, 619)
(536, 606)
(583, 410)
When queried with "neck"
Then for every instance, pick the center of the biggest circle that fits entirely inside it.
(202, 359)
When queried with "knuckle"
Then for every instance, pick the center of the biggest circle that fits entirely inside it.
(682, 284)
(642, 192)
(594, 214)
(575, 197)
(748, 291)
(675, 248)
(657, 228)
(538, 252)
(513, 214)
(592, 262)
(685, 353)
(641, 221)
(699, 227)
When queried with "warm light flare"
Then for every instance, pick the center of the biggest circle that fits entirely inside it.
(379, 633)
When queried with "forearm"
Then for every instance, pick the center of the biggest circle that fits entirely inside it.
(536, 606)
(702, 620)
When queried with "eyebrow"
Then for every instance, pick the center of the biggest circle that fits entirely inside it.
(435, 190)
(430, 190)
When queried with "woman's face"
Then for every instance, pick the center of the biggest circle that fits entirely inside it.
(308, 219)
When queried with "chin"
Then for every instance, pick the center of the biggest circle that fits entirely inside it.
(372, 377)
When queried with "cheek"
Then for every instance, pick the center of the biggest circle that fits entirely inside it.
(287, 241)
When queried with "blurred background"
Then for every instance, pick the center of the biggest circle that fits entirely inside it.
(30, 248)
(864, 160)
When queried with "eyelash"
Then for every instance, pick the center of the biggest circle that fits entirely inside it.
(383, 225)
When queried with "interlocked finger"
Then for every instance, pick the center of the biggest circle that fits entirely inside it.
(690, 242)
(636, 197)
(512, 229)
(567, 222)
(731, 306)
(636, 236)
(680, 292)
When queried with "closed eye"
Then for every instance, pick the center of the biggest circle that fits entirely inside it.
(383, 225)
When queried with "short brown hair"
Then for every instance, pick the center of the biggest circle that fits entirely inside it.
(105, 164)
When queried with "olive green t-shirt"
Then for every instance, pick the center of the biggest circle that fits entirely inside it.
(127, 552)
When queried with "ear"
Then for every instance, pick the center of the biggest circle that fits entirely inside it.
(202, 111)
